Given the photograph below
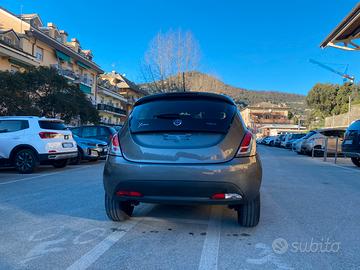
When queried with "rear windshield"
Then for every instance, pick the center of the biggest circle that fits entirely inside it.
(53, 125)
(182, 115)
(333, 133)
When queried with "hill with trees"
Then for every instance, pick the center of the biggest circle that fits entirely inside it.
(200, 82)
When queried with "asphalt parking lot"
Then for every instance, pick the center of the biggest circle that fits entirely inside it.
(55, 219)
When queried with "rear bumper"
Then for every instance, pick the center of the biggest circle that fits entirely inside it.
(94, 153)
(352, 154)
(183, 183)
(57, 156)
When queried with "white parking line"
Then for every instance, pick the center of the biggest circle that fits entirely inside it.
(44, 175)
(91, 256)
(210, 251)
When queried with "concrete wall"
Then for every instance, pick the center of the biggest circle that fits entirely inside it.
(345, 119)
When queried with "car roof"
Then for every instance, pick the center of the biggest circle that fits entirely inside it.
(184, 95)
(330, 129)
(30, 117)
(91, 126)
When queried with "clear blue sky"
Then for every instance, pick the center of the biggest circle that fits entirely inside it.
(260, 45)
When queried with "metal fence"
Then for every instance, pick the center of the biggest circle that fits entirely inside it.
(329, 145)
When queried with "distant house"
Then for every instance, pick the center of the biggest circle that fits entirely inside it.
(266, 118)
(265, 113)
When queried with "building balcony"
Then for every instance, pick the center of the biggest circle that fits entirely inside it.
(66, 73)
(86, 80)
(111, 109)
(72, 75)
(111, 92)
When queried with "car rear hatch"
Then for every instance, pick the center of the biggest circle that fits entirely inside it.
(57, 137)
(182, 130)
(351, 141)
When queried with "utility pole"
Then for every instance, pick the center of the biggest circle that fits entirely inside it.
(349, 112)
(183, 79)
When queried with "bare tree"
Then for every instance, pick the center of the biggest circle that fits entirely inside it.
(169, 56)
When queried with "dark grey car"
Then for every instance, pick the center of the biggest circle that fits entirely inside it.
(185, 148)
(89, 149)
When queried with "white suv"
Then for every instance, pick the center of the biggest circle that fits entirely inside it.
(27, 141)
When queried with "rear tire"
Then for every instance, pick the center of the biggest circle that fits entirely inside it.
(78, 159)
(249, 213)
(25, 161)
(356, 161)
(118, 210)
(60, 163)
(94, 159)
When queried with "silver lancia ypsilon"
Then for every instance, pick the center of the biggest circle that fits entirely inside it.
(184, 148)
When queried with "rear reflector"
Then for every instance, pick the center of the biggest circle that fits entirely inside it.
(128, 193)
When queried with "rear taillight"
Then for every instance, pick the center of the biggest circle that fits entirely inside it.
(218, 196)
(247, 147)
(226, 196)
(48, 135)
(115, 146)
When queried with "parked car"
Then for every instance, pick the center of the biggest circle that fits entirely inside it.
(279, 139)
(27, 141)
(89, 149)
(101, 132)
(270, 140)
(185, 148)
(297, 145)
(290, 138)
(317, 141)
(260, 140)
(351, 143)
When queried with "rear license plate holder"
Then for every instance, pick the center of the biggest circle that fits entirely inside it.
(67, 145)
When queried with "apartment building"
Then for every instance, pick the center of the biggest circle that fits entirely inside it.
(125, 87)
(26, 42)
(112, 106)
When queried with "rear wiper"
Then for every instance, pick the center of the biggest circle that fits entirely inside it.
(169, 116)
